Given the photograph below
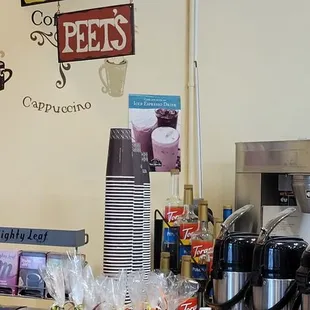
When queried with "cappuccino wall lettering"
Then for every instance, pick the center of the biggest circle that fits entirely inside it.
(96, 33)
(41, 106)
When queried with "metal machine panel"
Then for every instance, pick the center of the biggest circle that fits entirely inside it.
(273, 157)
(248, 192)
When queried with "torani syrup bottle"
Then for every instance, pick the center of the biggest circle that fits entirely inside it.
(173, 209)
(186, 272)
(188, 222)
(202, 251)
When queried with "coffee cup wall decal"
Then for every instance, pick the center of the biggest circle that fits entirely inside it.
(5, 73)
(113, 76)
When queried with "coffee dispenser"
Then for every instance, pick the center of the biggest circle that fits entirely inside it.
(273, 174)
(275, 261)
(232, 263)
(303, 282)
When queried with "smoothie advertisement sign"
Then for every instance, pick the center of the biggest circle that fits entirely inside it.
(155, 121)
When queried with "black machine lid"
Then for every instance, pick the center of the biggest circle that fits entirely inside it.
(281, 257)
(238, 251)
(234, 253)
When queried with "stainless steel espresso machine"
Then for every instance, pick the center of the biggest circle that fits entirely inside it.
(274, 176)
(275, 173)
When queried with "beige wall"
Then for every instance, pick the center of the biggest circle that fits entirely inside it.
(254, 81)
(53, 165)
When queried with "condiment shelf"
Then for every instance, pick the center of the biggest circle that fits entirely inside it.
(47, 237)
(12, 266)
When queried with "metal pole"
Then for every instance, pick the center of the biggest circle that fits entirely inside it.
(197, 100)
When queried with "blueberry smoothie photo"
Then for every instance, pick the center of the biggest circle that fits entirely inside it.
(167, 118)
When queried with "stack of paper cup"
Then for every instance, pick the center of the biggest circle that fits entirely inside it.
(146, 214)
(119, 195)
(137, 251)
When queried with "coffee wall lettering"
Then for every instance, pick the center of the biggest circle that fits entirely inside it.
(30, 103)
(96, 33)
(33, 2)
(39, 19)
(5, 73)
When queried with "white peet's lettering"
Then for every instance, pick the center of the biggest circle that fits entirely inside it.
(198, 251)
(86, 34)
(188, 306)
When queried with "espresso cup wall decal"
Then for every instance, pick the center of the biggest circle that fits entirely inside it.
(5, 75)
(113, 76)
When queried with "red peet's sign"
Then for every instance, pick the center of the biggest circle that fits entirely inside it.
(96, 33)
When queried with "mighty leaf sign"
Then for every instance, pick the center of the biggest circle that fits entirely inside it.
(96, 33)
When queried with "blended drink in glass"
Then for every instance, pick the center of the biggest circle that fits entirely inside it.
(165, 141)
(143, 124)
(167, 118)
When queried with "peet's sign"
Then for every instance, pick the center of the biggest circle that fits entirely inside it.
(32, 2)
(96, 33)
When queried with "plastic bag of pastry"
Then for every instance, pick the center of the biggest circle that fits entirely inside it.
(54, 280)
(136, 289)
(75, 266)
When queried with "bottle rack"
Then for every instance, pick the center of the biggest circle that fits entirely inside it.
(158, 229)
(42, 237)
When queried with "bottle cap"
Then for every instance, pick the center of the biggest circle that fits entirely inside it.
(186, 266)
(188, 195)
(203, 210)
(165, 255)
(186, 258)
(174, 171)
(228, 207)
(188, 186)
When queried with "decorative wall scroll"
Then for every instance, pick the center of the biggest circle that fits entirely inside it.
(5, 73)
(38, 18)
(32, 2)
(96, 33)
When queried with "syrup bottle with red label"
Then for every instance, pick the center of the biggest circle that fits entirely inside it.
(173, 210)
(202, 251)
(188, 222)
(186, 272)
